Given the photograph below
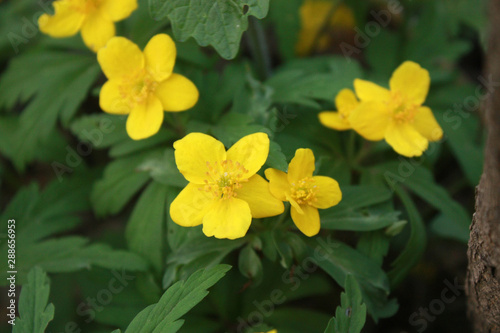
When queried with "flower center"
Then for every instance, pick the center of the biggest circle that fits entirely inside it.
(224, 179)
(135, 89)
(304, 191)
(403, 112)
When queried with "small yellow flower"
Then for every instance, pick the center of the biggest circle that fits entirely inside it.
(345, 101)
(94, 18)
(313, 18)
(305, 192)
(224, 190)
(271, 331)
(143, 85)
(397, 115)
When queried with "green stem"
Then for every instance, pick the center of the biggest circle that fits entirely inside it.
(351, 147)
(259, 48)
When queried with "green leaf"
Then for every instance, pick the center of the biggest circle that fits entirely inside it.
(416, 244)
(340, 260)
(55, 82)
(233, 126)
(375, 245)
(444, 226)
(250, 265)
(355, 197)
(360, 221)
(176, 302)
(145, 232)
(34, 313)
(305, 81)
(276, 159)
(162, 168)
(218, 23)
(350, 316)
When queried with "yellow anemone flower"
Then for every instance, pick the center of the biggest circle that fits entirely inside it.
(94, 18)
(305, 192)
(142, 85)
(397, 115)
(316, 15)
(224, 190)
(345, 101)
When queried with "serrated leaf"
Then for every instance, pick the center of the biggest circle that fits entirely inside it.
(34, 313)
(162, 168)
(176, 302)
(350, 316)
(219, 23)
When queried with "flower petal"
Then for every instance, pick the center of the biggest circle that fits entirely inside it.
(177, 93)
(369, 91)
(308, 222)
(278, 183)
(117, 10)
(251, 152)
(227, 218)
(328, 193)
(119, 58)
(262, 203)
(97, 30)
(334, 120)
(160, 56)
(405, 140)
(145, 119)
(346, 101)
(194, 151)
(301, 166)
(370, 120)
(190, 206)
(64, 23)
(111, 99)
(425, 123)
(412, 81)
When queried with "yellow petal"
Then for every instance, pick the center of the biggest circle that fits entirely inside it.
(294, 204)
(111, 100)
(370, 120)
(120, 58)
(117, 10)
(328, 192)
(369, 91)
(250, 151)
(425, 123)
(334, 120)
(405, 140)
(346, 101)
(190, 206)
(412, 81)
(64, 23)
(97, 30)
(160, 56)
(308, 222)
(145, 119)
(278, 183)
(227, 218)
(177, 93)
(301, 166)
(262, 203)
(194, 151)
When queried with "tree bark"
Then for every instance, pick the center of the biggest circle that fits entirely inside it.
(483, 275)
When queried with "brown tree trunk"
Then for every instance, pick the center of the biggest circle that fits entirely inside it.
(483, 276)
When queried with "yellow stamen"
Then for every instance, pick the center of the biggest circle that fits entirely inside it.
(224, 179)
(136, 88)
(304, 191)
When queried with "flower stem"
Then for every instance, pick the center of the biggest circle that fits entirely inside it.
(259, 48)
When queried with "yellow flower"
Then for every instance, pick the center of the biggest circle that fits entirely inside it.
(305, 192)
(345, 101)
(313, 18)
(271, 331)
(94, 18)
(397, 115)
(142, 85)
(224, 191)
